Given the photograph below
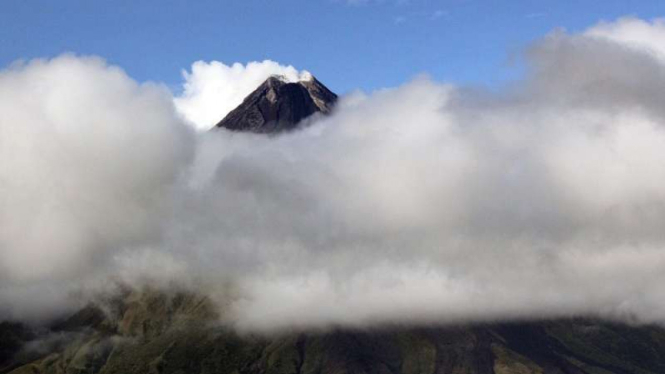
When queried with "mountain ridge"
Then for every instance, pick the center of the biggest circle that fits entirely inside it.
(161, 332)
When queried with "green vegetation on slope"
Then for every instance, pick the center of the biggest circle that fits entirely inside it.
(151, 332)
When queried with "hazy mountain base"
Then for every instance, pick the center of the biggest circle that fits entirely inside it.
(150, 332)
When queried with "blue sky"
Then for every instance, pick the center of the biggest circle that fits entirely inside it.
(364, 44)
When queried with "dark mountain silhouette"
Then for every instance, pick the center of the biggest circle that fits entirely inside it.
(278, 105)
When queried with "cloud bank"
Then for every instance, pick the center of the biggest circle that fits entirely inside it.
(88, 157)
(426, 203)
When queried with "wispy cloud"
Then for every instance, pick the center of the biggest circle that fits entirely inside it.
(357, 2)
(377, 2)
(437, 14)
(535, 15)
(430, 15)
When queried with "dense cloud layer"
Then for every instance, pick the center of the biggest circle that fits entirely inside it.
(424, 203)
(88, 161)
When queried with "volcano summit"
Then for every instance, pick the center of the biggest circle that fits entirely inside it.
(279, 105)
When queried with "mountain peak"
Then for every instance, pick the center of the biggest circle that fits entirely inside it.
(279, 104)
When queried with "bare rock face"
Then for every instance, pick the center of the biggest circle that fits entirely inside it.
(278, 105)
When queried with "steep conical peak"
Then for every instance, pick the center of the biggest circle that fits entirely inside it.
(279, 104)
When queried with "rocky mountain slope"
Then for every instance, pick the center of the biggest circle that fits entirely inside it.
(153, 332)
(278, 105)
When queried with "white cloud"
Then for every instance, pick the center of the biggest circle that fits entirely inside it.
(422, 203)
(635, 33)
(88, 157)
